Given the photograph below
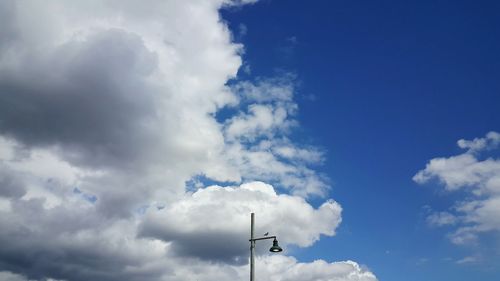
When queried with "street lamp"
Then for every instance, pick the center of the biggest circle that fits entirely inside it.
(275, 248)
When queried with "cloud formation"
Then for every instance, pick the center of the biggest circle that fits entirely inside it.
(474, 174)
(218, 217)
(107, 109)
(288, 268)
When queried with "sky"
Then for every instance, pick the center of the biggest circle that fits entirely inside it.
(137, 137)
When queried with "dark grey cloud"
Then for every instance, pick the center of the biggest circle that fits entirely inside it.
(215, 246)
(10, 185)
(85, 96)
(65, 243)
(7, 24)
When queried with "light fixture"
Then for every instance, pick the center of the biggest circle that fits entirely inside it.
(275, 248)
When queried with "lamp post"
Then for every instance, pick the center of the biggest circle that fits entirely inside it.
(275, 248)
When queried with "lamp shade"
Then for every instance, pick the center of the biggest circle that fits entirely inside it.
(275, 248)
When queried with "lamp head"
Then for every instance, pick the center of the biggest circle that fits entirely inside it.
(275, 248)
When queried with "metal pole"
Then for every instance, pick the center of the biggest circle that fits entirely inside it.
(252, 247)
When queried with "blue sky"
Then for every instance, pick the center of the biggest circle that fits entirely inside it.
(386, 86)
(137, 137)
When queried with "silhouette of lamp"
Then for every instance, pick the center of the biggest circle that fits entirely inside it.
(274, 249)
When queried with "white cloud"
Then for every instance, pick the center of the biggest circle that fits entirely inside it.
(269, 108)
(221, 215)
(468, 260)
(442, 218)
(481, 178)
(463, 171)
(107, 109)
(490, 141)
(257, 142)
(288, 269)
(260, 119)
(308, 155)
(277, 89)
(265, 162)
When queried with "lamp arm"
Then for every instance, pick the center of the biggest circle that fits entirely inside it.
(262, 238)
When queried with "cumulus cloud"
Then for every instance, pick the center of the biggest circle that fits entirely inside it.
(289, 269)
(128, 98)
(107, 109)
(475, 174)
(218, 218)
